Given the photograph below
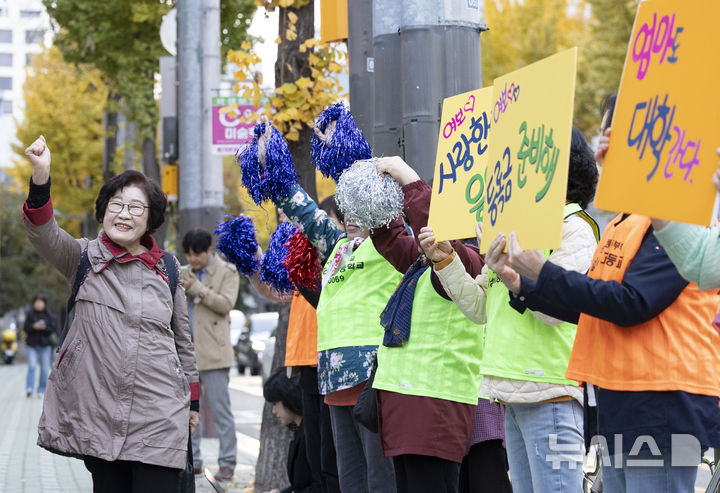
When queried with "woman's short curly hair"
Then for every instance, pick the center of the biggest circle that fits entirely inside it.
(583, 172)
(156, 198)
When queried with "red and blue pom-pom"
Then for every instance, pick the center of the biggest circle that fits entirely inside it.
(273, 181)
(272, 268)
(236, 240)
(346, 144)
(302, 262)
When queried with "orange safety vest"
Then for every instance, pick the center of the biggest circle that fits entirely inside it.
(679, 349)
(301, 343)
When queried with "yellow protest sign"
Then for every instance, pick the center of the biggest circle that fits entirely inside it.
(459, 183)
(666, 125)
(529, 152)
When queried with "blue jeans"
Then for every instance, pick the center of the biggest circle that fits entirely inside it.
(43, 355)
(545, 446)
(658, 479)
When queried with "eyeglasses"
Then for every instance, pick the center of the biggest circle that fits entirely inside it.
(134, 208)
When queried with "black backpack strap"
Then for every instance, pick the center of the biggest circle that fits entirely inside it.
(82, 270)
(171, 271)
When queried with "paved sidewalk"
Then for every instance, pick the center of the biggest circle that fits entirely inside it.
(27, 468)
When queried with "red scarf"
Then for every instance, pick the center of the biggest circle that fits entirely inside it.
(149, 258)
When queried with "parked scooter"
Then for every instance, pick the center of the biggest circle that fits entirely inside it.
(9, 346)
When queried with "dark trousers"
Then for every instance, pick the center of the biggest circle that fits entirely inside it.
(484, 469)
(121, 476)
(319, 446)
(425, 474)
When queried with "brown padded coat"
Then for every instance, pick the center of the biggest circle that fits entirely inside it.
(119, 386)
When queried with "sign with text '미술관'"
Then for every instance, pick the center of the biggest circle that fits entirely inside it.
(229, 131)
(529, 152)
(459, 181)
(666, 125)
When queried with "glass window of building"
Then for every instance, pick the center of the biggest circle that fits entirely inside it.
(6, 83)
(32, 37)
(6, 107)
(5, 36)
(5, 59)
(30, 13)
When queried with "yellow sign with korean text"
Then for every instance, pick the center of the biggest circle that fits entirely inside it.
(459, 181)
(666, 125)
(529, 152)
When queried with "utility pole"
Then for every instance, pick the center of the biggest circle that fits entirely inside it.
(387, 132)
(200, 194)
(425, 51)
(362, 65)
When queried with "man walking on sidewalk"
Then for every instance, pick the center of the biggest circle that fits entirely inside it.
(212, 288)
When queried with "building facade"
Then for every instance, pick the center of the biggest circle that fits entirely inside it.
(24, 29)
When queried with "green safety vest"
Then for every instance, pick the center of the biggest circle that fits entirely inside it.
(521, 347)
(348, 313)
(442, 357)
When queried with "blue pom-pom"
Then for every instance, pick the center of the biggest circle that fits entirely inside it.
(274, 180)
(272, 270)
(236, 240)
(346, 145)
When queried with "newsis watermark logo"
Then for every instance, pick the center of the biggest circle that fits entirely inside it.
(685, 451)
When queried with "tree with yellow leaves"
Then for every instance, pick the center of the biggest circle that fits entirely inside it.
(523, 32)
(305, 80)
(65, 103)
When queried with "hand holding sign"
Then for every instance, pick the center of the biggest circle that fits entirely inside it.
(527, 263)
(435, 251)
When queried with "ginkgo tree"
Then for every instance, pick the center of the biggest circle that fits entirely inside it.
(65, 102)
(306, 80)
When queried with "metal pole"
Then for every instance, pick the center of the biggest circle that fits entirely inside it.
(212, 163)
(200, 172)
(360, 52)
(387, 134)
(189, 16)
(439, 57)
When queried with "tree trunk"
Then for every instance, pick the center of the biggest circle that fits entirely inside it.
(111, 129)
(151, 168)
(271, 468)
(291, 64)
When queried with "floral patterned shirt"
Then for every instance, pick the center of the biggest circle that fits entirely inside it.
(344, 368)
(339, 368)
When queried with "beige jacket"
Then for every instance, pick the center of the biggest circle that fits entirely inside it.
(119, 385)
(214, 297)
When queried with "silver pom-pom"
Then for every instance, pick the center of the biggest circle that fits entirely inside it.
(368, 198)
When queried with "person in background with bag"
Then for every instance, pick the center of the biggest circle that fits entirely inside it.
(124, 392)
(40, 334)
(428, 375)
(284, 395)
(212, 288)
